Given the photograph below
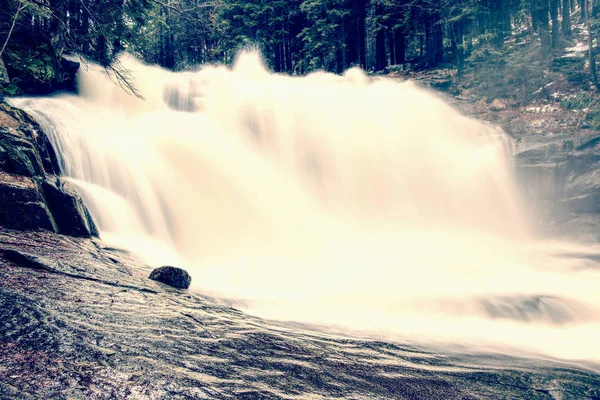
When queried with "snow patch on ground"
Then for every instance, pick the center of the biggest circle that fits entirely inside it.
(542, 109)
(578, 49)
(542, 88)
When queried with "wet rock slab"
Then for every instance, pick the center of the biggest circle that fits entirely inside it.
(82, 321)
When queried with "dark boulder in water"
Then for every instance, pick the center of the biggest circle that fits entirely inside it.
(172, 276)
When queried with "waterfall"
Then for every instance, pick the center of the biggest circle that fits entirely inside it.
(366, 205)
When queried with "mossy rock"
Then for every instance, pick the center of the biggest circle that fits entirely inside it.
(10, 89)
(34, 68)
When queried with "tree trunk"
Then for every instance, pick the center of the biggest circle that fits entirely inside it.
(119, 27)
(362, 35)
(434, 46)
(535, 22)
(400, 48)
(583, 9)
(592, 58)
(167, 51)
(85, 33)
(390, 32)
(438, 40)
(355, 35)
(380, 50)
(542, 11)
(380, 54)
(170, 51)
(555, 31)
(74, 21)
(496, 23)
(343, 47)
(277, 61)
(57, 29)
(566, 18)
(457, 45)
(101, 50)
(288, 50)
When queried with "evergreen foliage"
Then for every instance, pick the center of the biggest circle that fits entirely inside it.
(295, 36)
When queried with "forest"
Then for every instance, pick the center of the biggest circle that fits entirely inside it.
(294, 36)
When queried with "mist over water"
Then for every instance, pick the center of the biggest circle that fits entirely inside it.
(364, 204)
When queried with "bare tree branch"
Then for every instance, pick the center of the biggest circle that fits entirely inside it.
(22, 6)
(122, 77)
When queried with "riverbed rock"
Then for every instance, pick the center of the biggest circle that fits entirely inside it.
(172, 276)
(69, 66)
(68, 210)
(22, 205)
(24, 147)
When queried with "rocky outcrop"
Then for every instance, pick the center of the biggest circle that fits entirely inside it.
(172, 276)
(33, 197)
(24, 148)
(23, 206)
(557, 164)
(578, 178)
(69, 212)
(34, 67)
(561, 176)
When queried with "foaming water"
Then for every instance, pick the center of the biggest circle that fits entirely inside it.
(365, 204)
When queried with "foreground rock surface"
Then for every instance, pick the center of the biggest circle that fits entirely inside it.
(176, 277)
(82, 321)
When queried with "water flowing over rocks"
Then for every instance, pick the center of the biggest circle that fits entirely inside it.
(68, 210)
(32, 195)
(176, 277)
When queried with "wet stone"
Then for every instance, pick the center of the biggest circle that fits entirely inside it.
(172, 276)
(22, 205)
(68, 210)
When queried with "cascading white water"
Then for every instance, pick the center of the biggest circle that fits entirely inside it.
(364, 204)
